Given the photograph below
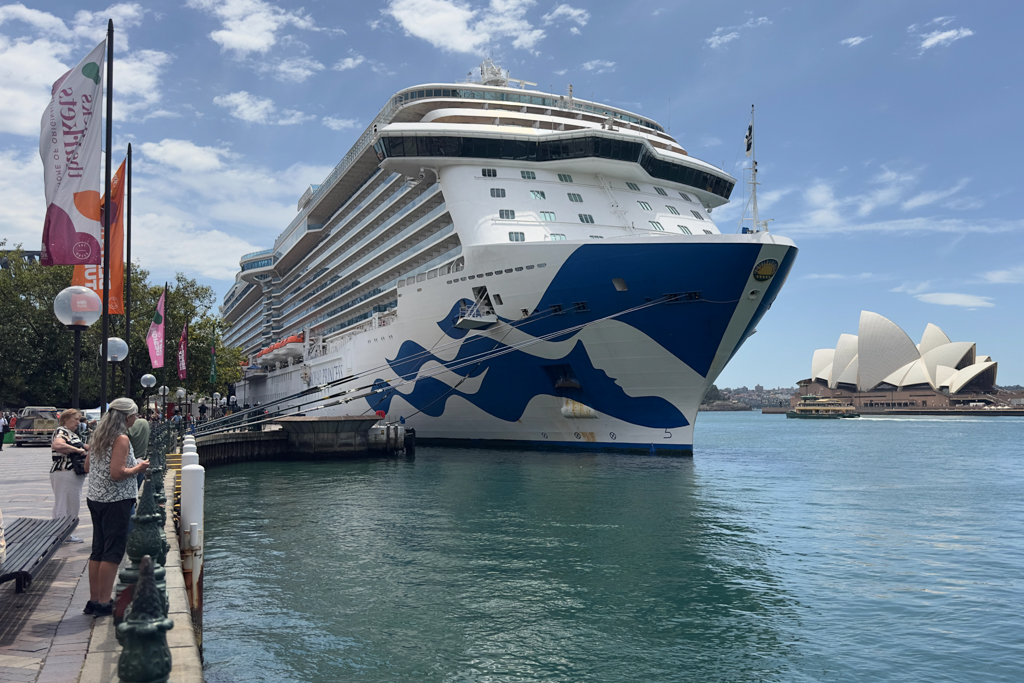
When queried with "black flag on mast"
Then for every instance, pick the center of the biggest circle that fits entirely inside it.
(749, 139)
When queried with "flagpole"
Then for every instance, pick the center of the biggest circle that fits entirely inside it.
(106, 214)
(128, 282)
(163, 342)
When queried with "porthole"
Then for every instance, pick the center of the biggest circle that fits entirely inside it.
(753, 294)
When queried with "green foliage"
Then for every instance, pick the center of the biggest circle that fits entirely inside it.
(36, 364)
(713, 395)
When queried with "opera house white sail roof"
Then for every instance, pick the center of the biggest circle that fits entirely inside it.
(883, 355)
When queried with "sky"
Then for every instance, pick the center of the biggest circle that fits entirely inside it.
(887, 133)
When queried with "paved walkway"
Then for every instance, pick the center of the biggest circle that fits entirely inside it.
(43, 634)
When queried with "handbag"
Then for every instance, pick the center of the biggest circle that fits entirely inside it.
(78, 462)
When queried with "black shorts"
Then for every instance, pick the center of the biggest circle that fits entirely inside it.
(109, 529)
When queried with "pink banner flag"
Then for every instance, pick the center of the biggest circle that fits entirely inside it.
(155, 336)
(69, 145)
(183, 353)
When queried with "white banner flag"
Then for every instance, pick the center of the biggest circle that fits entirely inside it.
(69, 145)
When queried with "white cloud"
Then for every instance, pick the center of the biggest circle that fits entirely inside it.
(563, 11)
(954, 299)
(854, 41)
(717, 41)
(247, 107)
(726, 34)
(925, 198)
(457, 27)
(913, 289)
(890, 186)
(31, 63)
(349, 63)
(296, 69)
(943, 38)
(291, 117)
(339, 124)
(184, 155)
(44, 22)
(30, 67)
(250, 25)
(92, 26)
(941, 21)
(710, 141)
(254, 109)
(598, 66)
(137, 83)
(21, 176)
(1007, 276)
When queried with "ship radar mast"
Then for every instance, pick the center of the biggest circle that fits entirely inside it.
(492, 74)
(750, 210)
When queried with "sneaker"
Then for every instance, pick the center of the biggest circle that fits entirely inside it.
(103, 609)
(74, 539)
(90, 607)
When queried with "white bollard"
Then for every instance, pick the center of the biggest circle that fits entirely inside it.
(193, 490)
(193, 486)
(189, 455)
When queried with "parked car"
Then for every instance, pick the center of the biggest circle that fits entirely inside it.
(35, 426)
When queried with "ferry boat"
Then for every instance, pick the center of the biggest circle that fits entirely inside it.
(491, 264)
(818, 408)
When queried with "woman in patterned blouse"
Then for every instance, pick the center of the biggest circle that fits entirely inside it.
(67, 486)
(112, 491)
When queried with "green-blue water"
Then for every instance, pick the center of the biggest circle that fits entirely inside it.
(848, 550)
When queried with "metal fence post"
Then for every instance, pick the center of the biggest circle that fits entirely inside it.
(146, 658)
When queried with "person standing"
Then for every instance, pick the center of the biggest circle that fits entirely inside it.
(4, 427)
(113, 489)
(65, 447)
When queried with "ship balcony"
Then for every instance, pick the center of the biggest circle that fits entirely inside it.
(476, 317)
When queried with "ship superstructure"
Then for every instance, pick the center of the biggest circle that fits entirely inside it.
(507, 265)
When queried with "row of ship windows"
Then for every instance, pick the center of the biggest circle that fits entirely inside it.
(549, 216)
(496, 272)
(510, 215)
(521, 237)
(499, 193)
(566, 178)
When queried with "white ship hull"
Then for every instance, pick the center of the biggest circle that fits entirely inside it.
(613, 369)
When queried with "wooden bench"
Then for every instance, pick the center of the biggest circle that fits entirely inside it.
(30, 545)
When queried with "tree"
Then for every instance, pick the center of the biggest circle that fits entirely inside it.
(36, 362)
(713, 395)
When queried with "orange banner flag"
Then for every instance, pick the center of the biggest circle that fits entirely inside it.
(91, 276)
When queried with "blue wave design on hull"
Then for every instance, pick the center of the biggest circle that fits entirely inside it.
(691, 331)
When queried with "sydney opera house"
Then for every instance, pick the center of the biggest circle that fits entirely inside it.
(881, 367)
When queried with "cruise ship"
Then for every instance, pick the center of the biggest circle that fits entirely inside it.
(494, 265)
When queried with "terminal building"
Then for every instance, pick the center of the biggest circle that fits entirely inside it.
(881, 368)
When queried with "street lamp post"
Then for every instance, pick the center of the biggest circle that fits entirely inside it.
(216, 402)
(163, 391)
(148, 381)
(77, 308)
(117, 351)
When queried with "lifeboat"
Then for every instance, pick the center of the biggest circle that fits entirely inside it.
(292, 347)
(273, 352)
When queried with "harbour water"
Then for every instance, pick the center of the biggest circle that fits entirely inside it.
(885, 549)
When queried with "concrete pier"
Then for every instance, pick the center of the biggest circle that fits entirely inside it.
(303, 438)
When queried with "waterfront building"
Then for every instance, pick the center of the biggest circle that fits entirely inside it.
(880, 367)
(501, 264)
